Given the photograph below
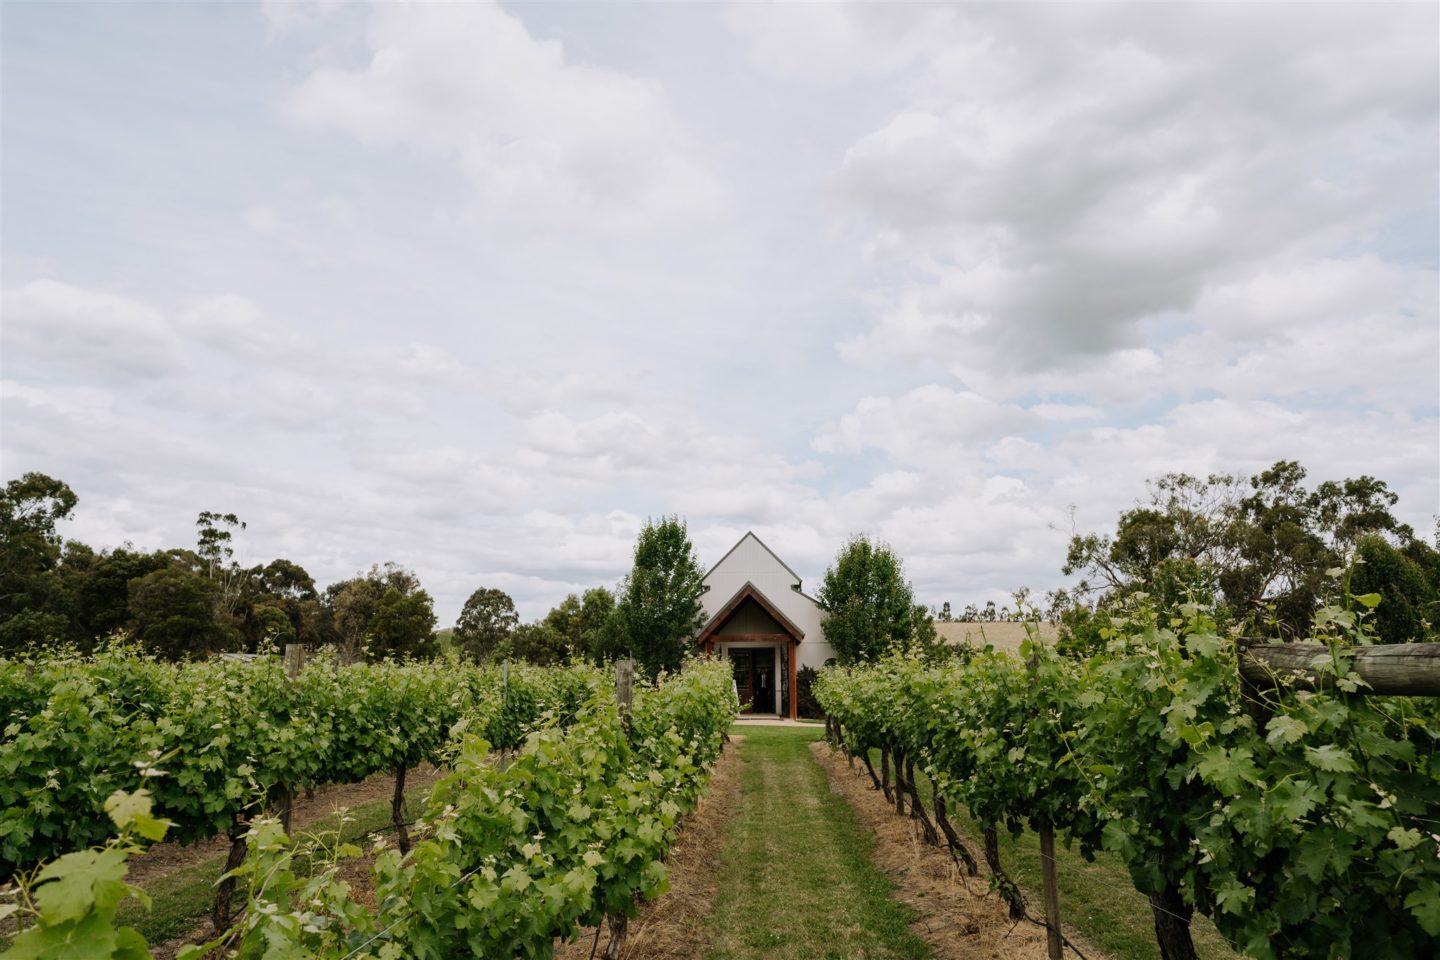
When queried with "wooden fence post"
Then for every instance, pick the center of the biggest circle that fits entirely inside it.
(504, 700)
(1049, 883)
(624, 688)
(294, 663)
(624, 699)
(1050, 891)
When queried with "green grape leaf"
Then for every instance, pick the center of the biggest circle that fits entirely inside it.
(1285, 729)
(77, 883)
(1424, 903)
(1405, 839)
(1332, 758)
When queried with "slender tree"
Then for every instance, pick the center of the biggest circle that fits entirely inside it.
(658, 610)
(871, 607)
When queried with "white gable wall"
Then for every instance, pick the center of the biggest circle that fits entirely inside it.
(751, 561)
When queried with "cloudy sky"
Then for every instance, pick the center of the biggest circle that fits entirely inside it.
(477, 288)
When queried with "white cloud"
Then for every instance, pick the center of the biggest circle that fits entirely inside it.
(536, 135)
(472, 308)
(95, 334)
(1066, 185)
(921, 424)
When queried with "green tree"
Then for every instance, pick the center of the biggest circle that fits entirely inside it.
(582, 620)
(30, 551)
(870, 605)
(404, 624)
(1409, 592)
(1256, 550)
(536, 642)
(485, 622)
(173, 614)
(285, 588)
(217, 559)
(382, 613)
(657, 610)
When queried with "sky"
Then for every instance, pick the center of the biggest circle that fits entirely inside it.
(477, 288)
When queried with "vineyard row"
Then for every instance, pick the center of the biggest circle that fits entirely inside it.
(1304, 826)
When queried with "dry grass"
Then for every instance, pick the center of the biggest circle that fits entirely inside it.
(957, 917)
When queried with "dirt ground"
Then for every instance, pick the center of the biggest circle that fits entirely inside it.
(958, 918)
(164, 858)
(673, 926)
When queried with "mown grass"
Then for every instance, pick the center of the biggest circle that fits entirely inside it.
(796, 880)
(183, 896)
(1098, 897)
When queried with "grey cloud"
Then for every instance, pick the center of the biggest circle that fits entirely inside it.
(1059, 193)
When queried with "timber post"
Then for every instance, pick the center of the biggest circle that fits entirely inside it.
(1049, 882)
(294, 659)
(624, 689)
(294, 663)
(624, 698)
(1050, 891)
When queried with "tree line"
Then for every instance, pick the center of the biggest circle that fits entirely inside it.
(1262, 553)
(187, 602)
(194, 601)
(191, 602)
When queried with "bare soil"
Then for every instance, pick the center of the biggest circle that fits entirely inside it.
(957, 917)
(164, 858)
(672, 927)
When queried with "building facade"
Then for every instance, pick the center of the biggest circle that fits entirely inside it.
(759, 618)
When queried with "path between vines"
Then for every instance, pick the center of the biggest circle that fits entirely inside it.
(793, 856)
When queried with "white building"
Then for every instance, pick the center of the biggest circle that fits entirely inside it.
(760, 620)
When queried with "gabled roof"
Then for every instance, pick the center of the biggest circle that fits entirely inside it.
(750, 534)
(752, 592)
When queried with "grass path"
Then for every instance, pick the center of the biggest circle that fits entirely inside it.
(796, 881)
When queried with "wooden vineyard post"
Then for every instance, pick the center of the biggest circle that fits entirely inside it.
(504, 700)
(1050, 887)
(624, 688)
(624, 699)
(294, 663)
(397, 810)
(1050, 891)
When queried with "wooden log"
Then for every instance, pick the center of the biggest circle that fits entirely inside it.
(1392, 670)
(1050, 891)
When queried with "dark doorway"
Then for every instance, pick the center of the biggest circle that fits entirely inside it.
(754, 679)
